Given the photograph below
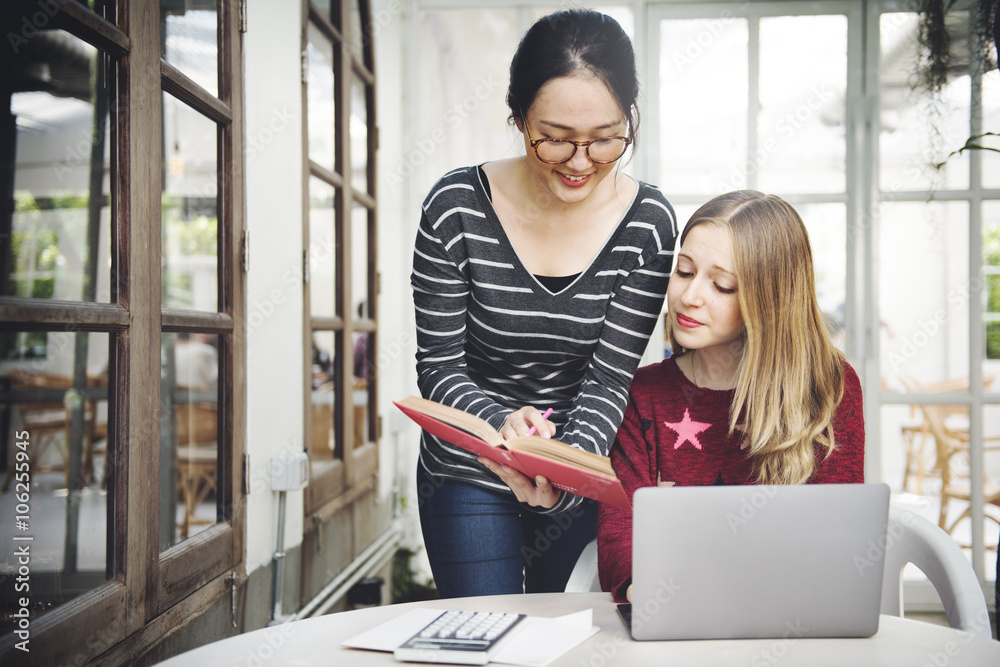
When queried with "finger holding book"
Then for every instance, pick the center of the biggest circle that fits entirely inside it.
(569, 469)
(528, 421)
(537, 493)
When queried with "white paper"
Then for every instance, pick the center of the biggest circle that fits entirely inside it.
(389, 635)
(542, 640)
(535, 642)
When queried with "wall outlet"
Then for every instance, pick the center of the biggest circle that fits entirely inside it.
(289, 472)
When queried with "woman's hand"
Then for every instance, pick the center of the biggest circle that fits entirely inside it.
(519, 422)
(537, 494)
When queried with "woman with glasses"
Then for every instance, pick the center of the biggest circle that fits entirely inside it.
(537, 281)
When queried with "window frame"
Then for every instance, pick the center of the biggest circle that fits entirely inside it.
(864, 193)
(976, 399)
(352, 469)
(126, 614)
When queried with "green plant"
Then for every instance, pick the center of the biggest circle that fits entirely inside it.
(405, 585)
(934, 41)
(937, 59)
(974, 143)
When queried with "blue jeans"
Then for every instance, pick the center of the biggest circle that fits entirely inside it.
(481, 542)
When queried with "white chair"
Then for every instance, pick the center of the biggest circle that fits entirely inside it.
(913, 539)
(583, 578)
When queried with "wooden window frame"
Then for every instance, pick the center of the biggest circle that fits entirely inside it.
(148, 593)
(351, 467)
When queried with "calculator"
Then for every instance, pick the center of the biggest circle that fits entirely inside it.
(459, 638)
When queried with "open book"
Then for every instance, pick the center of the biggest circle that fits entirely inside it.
(567, 468)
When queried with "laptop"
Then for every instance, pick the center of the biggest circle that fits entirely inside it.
(742, 562)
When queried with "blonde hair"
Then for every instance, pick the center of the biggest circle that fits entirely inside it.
(790, 377)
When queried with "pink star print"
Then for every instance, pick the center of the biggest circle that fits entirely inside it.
(687, 430)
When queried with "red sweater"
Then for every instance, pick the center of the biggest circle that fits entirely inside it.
(677, 433)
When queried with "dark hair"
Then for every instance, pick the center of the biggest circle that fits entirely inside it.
(571, 41)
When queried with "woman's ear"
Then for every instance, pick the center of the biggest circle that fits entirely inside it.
(515, 113)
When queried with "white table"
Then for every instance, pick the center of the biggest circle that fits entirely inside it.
(316, 641)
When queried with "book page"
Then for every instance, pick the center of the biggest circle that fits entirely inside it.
(471, 424)
(563, 453)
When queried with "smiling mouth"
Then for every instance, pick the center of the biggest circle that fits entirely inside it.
(687, 322)
(574, 181)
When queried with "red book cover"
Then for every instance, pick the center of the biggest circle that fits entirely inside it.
(566, 467)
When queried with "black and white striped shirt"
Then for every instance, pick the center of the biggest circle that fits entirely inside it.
(491, 338)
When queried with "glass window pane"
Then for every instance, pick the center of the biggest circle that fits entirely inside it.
(924, 450)
(324, 392)
(991, 122)
(924, 292)
(917, 440)
(54, 461)
(60, 241)
(906, 451)
(802, 144)
(189, 438)
(703, 145)
(827, 225)
(321, 99)
(322, 248)
(359, 134)
(462, 116)
(991, 284)
(330, 9)
(363, 388)
(189, 40)
(917, 132)
(361, 286)
(357, 38)
(361, 231)
(991, 468)
(190, 209)
(360, 399)
(934, 461)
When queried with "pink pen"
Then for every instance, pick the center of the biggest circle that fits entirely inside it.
(545, 415)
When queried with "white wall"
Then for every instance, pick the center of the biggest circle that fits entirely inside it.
(274, 291)
(399, 206)
(273, 93)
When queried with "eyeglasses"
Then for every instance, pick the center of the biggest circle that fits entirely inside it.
(557, 151)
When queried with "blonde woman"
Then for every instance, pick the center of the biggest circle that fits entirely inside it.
(755, 392)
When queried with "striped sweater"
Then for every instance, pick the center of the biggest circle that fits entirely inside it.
(491, 339)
